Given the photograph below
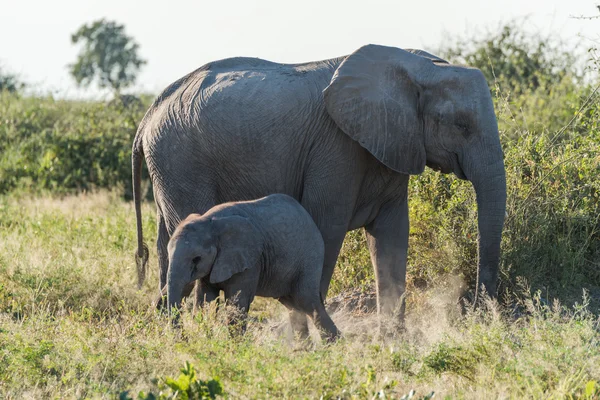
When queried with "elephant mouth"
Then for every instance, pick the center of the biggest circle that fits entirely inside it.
(458, 171)
(434, 166)
(439, 168)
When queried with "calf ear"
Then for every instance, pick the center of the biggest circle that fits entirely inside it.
(239, 247)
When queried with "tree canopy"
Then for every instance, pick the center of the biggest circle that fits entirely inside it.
(108, 56)
(9, 82)
(515, 61)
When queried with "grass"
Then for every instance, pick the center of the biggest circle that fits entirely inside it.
(73, 325)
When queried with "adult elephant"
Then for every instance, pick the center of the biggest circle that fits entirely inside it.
(341, 136)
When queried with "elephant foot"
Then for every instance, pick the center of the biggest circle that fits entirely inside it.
(332, 337)
(393, 322)
(303, 345)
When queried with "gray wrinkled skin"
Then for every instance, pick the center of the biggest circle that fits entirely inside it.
(268, 247)
(340, 136)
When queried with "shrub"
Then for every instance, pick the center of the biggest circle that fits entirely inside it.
(65, 146)
(185, 387)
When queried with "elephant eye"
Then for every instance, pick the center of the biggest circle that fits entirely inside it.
(462, 127)
(464, 130)
(462, 121)
(195, 262)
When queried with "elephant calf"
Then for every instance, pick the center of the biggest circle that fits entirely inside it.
(268, 247)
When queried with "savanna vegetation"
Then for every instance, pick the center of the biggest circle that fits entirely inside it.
(74, 325)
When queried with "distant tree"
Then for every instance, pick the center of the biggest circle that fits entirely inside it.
(516, 61)
(9, 82)
(108, 57)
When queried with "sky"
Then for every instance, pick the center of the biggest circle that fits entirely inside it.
(177, 36)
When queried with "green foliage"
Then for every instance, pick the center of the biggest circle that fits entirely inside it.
(63, 146)
(73, 325)
(185, 387)
(353, 269)
(517, 62)
(592, 390)
(445, 358)
(108, 56)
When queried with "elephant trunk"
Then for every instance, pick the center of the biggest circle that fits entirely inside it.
(484, 167)
(175, 286)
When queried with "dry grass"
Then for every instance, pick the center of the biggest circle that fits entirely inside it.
(73, 325)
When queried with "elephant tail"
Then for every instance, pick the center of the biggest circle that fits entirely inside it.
(141, 256)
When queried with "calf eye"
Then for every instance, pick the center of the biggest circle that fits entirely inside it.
(196, 260)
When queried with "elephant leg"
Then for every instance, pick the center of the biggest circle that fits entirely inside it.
(163, 260)
(323, 322)
(333, 243)
(387, 238)
(297, 319)
(162, 241)
(313, 307)
(204, 294)
(240, 300)
(333, 239)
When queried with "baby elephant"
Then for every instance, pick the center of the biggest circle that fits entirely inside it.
(268, 247)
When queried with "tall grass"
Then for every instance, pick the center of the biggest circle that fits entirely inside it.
(72, 325)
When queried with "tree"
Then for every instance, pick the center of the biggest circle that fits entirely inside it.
(515, 61)
(109, 57)
(9, 82)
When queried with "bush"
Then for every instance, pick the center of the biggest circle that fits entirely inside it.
(65, 146)
(185, 387)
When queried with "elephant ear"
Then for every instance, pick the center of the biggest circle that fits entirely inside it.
(239, 247)
(375, 98)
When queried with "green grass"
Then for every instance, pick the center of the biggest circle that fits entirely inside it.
(73, 325)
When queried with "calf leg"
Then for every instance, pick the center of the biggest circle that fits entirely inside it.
(240, 300)
(204, 294)
(314, 308)
(297, 319)
(333, 240)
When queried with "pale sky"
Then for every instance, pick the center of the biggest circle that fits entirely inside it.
(177, 36)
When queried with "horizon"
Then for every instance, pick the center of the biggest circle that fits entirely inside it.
(266, 29)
